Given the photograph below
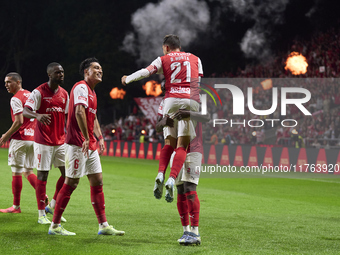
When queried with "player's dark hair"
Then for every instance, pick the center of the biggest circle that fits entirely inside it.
(51, 66)
(86, 64)
(14, 76)
(172, 41)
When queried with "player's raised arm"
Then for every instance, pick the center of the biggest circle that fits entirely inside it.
(154, 67)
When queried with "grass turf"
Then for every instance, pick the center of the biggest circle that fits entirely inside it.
(238, 215)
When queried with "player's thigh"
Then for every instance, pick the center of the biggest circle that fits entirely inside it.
(74, 161)
(59, 155)
(29, 157)
(187, 128)
(93, 165)
(16, 153)
(192, 167)
(43, 156)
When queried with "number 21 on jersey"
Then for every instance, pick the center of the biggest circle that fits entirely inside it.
(176, 67)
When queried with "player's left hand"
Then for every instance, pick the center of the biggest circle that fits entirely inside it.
(101, 146)
(2, 140)
(124, 80)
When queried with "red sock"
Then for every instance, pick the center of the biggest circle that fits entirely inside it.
(40, 192)
(178, 162)
(182, 207)
(58, 186)
(164, 158)
(98, 203)
(194, 207)
(32, 178)
(16, 189)
(63, 197)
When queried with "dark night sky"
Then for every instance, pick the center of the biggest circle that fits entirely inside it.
(35, 33)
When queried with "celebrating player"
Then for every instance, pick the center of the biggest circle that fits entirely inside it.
(82, 157)
(187, 180)
(20, 134)
(182, 72)
(48, 103)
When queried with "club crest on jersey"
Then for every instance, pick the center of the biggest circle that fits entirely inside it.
(63, 100)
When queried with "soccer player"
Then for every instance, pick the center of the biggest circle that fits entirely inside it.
(82, 157)
(182, 72)
(20, 134)
(187, 180)
(48, 103)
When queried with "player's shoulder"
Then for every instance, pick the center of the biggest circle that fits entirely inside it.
(63, 91)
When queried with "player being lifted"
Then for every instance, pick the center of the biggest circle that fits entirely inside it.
(20, 134)
(181, 72)
(48, 103)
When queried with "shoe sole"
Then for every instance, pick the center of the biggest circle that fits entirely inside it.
(158, 192)
(168, 197)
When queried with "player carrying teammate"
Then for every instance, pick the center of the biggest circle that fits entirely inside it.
(187, 180)
(20, 134)
(82, 157)
(48, 103)
(182, 72)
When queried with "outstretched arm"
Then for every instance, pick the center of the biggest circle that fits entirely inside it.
(182, 114)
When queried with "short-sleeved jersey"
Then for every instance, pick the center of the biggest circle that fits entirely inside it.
(82, 94)
(181, 72)
(45, 101)
(26, 131)
(196, 145)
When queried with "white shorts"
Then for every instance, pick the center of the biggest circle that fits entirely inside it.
(46, 155)
(77, 165)
(21, 154)
(190, 171)
(185, 127)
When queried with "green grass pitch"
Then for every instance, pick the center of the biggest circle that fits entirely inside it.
(238, 215)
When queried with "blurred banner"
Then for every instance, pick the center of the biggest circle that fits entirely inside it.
(149, 107)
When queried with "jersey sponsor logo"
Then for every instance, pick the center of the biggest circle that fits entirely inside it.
(55, 109)
(29, 131)
(82, 98)
(180, 90)
(91, 110)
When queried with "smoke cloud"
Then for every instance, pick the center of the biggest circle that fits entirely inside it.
(152, 22)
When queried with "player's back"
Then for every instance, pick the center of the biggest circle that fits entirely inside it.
(181, 71)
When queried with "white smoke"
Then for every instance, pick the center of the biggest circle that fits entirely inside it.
(152, 22)
(265, 14)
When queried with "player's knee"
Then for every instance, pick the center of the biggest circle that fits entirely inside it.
(189, 186)
(180, 189)
(42, 175)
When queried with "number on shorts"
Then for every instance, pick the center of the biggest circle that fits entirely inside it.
(76, 164)
(39, 158)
